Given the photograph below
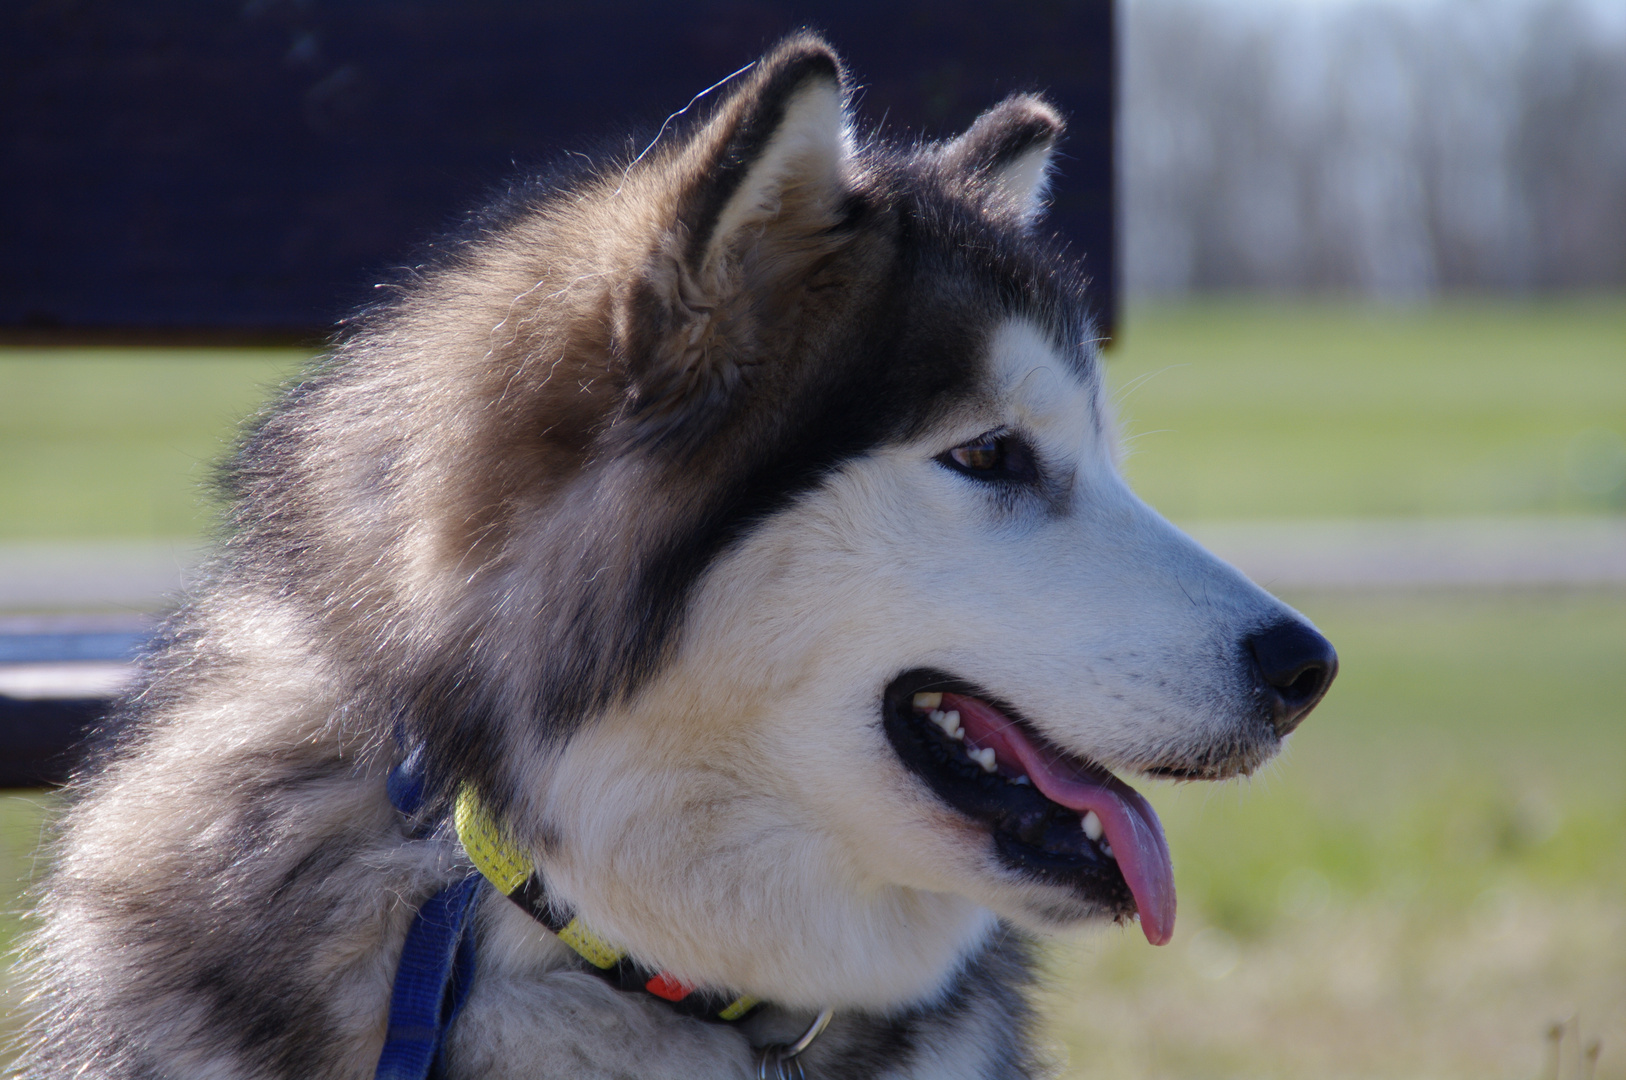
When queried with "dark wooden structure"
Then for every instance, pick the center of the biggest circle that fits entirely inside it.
(175, 170)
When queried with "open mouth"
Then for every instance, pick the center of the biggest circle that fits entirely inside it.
(1053, 816)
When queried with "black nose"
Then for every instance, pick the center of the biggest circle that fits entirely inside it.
(1296, 665)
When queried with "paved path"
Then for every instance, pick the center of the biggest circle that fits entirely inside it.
(93, 575)
(1359, 554)
(70, 614)
(1465, 552)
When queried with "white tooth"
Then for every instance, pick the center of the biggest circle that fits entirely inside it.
(1092, 825)
(951, 719)
(936, 717)
(1023, 780)
(1106, 849)
(958, 734)
(985, 758)
(926, 701)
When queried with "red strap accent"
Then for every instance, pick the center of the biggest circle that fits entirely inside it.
(665, 986)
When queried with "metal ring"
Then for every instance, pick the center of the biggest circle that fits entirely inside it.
(785, 1058)
(783, 1068)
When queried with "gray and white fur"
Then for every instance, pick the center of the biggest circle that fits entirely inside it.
(628, 510)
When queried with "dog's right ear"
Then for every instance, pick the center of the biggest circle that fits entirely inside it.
(1005, 156)
(757, 190)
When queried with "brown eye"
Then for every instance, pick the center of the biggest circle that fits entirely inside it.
(995, 458)
(979, 456)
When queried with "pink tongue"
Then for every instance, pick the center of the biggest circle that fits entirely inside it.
(1127, 819)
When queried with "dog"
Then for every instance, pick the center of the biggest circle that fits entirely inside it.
(701, 614)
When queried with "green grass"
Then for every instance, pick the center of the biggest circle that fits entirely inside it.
(102, 443)
(1233, 409)
(1250, 409)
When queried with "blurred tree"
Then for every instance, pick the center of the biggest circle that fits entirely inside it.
(1374, 146)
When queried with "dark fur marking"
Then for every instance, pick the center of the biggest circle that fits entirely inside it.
(994, 982)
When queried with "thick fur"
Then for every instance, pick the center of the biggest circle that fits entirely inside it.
(627, 511)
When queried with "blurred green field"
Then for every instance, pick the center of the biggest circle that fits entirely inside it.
(106, 443)
(1431, 877)
(1231, 410)
(1260, 410)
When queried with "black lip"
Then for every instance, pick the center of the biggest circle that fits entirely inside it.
(1032, 835)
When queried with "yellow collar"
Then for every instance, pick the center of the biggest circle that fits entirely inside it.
(508, 867)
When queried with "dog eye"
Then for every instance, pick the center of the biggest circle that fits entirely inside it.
(999, 458)
(980, 456)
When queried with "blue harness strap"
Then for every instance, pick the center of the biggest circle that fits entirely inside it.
(437, 966)
(437, 961)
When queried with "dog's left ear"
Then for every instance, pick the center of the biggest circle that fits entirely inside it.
(757, 191)
(1006, 156)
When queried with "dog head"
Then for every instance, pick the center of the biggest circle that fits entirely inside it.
(746, 526)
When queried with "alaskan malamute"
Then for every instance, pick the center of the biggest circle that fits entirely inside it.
(701, 605)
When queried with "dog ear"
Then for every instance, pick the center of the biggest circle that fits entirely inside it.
(1006, 154)
(758, 190)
